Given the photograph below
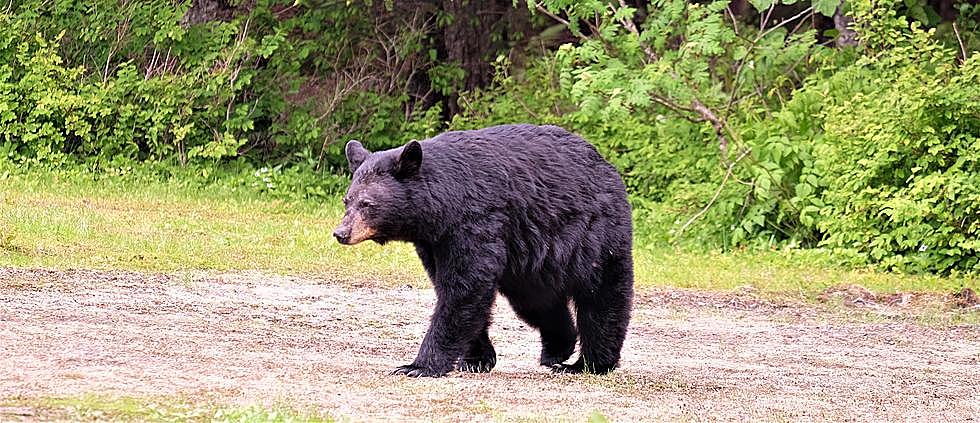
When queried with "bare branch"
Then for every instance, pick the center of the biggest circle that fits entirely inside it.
(784, 22)
(765, 19)
(631, 27)
(728, 11)
(715, 122)
(960, 40)
(565, 22)
(728, 175)
(681, 110)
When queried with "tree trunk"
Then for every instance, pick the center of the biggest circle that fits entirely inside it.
(846, 36)
(207, 11)
(467, 40)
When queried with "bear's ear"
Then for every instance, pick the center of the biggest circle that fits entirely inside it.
(356, 153)
(410, 160)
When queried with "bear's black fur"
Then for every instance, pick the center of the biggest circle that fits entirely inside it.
(532, 212)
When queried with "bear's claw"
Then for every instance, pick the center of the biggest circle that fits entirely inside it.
(566, 368)
(552, 361)
(580, 367)
(412, 370)
(476, 366)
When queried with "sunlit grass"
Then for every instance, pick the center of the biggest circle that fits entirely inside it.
(56, 221)
(70, 223)
(805, 272)
(165, 409)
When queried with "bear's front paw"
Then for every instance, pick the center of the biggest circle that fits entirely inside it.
(412, 370)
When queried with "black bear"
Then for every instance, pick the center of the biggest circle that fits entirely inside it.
(532, 212)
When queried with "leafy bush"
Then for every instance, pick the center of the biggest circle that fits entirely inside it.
(901, 159)
(107, 81)
(51, 111)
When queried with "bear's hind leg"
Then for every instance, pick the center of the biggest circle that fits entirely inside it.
(602, 318)
(481, 357)
(557, 330)
(558, 336)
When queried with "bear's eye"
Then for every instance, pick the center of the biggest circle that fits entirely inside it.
(365, 204)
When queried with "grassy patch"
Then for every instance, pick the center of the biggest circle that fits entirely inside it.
(804, 272)
(73, 220)
(105, 408)
(51, 220)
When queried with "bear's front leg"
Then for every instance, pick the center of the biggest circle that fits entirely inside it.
(465, 270)
(460, 316)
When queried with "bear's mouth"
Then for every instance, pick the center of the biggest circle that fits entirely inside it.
(360, 233)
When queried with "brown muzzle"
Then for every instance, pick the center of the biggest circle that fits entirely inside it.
(353, 230)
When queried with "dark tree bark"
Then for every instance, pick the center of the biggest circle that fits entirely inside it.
(846, 36)
(519, 31)
(467, 41)
(945, 8)
(208, 10)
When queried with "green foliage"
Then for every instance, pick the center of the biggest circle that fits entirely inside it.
(52, 110)
(678, 101)
(107, 81)
(902, 158)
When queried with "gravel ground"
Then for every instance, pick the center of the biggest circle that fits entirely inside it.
(249, 338)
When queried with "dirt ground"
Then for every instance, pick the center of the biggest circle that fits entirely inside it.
(258, 339)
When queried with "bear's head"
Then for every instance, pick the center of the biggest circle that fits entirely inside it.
(378, 202)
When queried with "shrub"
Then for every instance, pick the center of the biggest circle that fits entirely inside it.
(902, 158)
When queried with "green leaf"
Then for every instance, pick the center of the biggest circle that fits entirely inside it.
(762, 5)
(825, 7)
(597, 417)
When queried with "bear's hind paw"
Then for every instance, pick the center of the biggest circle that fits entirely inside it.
(580, 367)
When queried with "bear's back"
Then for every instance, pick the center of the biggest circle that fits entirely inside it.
(544, 174)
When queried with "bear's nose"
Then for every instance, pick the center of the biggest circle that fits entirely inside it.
(342, 236)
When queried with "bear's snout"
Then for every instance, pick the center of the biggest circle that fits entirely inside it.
(342, 234)
(353, 229)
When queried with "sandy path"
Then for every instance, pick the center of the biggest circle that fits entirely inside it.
(250, 338)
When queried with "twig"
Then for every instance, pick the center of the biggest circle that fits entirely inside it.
(631, 27)
(786, 21)
(800, 23)
(105, 74)
(677, 108)
(716, 123)
(765, 19)
(960, 40)
(728, 174)
(728, 10)
(565, 22)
